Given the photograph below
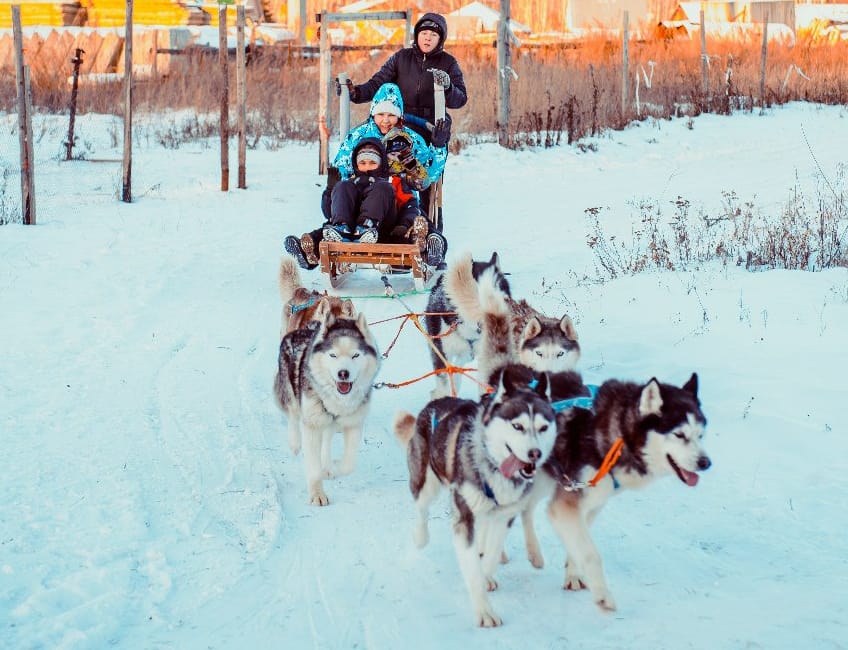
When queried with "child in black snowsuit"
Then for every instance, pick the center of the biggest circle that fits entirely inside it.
(359, 206)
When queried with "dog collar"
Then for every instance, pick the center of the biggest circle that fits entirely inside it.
(577, 402)
(306, 305)
(615, 483)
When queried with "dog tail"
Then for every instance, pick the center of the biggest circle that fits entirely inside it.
(404, 427)
(289, 278)
(474, 298)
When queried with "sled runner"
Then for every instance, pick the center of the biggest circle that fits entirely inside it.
(336, 259)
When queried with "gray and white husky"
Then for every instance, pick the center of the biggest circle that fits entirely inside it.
(486, 453)
(325, 374)
(661, 427)
(455, 338)
(512, 331)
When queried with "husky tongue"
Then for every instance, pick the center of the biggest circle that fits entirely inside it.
(690, 478)
(511, 465)
(344, 387)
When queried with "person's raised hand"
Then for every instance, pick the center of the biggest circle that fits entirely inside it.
(440, 77)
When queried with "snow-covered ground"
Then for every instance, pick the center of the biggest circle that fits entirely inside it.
(148, 498)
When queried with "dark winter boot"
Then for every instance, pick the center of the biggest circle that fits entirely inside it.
(307, 244)
(418, 233)
(293, 248)
(337, 233)
(366, 233)
(437, 246)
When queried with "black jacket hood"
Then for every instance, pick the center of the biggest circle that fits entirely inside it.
(383, 170)
(441, 29)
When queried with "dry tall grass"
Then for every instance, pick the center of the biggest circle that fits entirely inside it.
(561, 93)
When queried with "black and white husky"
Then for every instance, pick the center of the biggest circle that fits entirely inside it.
(325, 374)
(454, 338)
(487, 454)
(511, 331)
(660, 427)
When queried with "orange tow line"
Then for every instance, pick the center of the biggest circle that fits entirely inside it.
(609, 460)
(449, 368)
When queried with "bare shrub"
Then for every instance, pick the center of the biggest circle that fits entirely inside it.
(804, 235)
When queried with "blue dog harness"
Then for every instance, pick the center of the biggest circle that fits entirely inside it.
(306, 305)
(577, 402)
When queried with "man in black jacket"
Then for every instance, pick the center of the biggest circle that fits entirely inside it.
(414, 69)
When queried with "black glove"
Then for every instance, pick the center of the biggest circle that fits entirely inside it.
(440, 77)
(441, 134)
(333, 176)
(350, 88)
(399, 233)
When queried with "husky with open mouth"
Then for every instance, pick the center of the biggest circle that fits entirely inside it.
(630, 435)
(487, 454)
(325, 375)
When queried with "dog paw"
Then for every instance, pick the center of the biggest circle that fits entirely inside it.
(318, 498)
(491, 584)
(487, 618)
(605, 601)
(573, 583)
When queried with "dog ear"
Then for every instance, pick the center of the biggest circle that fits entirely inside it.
(348, 310)
(501, 387)
(362, 326)
(512, 376)
(322, 310)
(567, 326)
(531, 330)
(543, 385)
(495, 261)
(691, 386)
(650, 402)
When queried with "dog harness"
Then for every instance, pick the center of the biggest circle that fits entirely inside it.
(306, 305)
(612, 456)
(577, 402)
(570, 485)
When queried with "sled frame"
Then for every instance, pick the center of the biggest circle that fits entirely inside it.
(339, 258)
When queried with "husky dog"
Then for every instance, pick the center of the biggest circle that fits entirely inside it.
(325, 373)
(661, 427)
(511, 331)
(486, 453)
(300, 303)
(455, 339)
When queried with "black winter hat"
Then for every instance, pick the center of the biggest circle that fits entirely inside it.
(433, 22)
